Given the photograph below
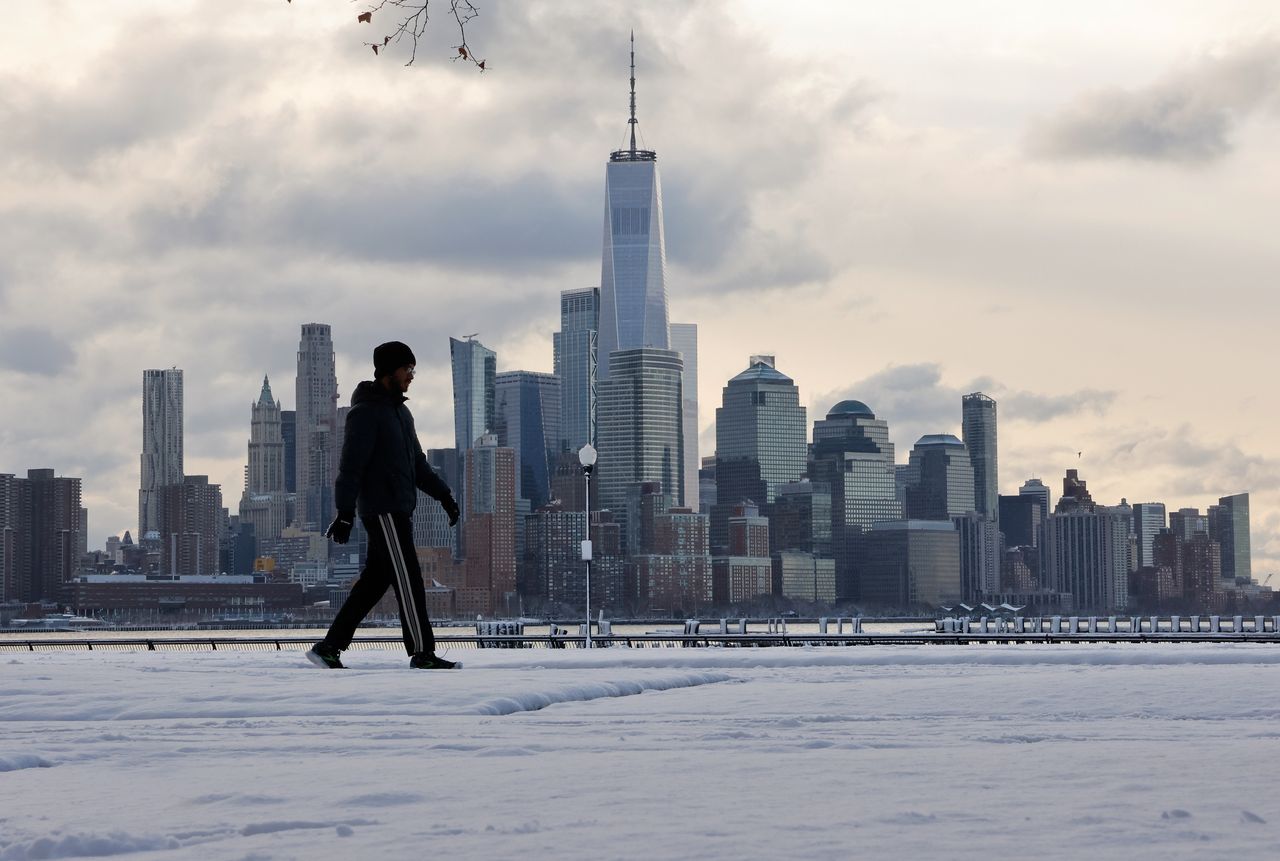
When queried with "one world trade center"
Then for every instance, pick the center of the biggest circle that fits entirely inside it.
(633, 278)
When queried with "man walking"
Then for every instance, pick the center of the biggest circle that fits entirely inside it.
(381, 470)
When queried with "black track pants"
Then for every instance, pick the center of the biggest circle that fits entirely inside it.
(391, 562)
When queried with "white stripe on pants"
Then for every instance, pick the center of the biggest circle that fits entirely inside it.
(407, 605)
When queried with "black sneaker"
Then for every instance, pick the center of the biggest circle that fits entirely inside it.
(324, 655)
(432, 661)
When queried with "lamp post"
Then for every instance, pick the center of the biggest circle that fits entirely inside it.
(587, 457)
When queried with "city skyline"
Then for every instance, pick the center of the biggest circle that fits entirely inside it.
(1004, 194)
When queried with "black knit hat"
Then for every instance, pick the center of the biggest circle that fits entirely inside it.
(388, 357)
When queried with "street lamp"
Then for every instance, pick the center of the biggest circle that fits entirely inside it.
(587, 457)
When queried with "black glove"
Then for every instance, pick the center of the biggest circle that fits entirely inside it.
(451, 508)
(340, 529)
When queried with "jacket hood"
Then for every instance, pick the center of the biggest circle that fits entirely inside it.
(372, 390)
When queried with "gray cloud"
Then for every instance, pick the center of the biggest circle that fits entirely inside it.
(915, 401)
(1189, 466)
(1188, 116)
(34, 350)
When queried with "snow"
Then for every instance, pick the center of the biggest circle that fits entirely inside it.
(1136, 751)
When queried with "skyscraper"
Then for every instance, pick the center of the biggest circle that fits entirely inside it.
(490, 522)
(633, 275)
(852, 455)
(191, 526)
(684, 340)
(527, 420)
(1086, 551)
(939, 478)
(1038, 490)
(475, 369)
(1148, 520)
(1233, 534)
(640, 430)
(265, 503)
(40, 534)
(978, 426)
(316, 390)
(575, 348)
(761, 442)
(161, 442)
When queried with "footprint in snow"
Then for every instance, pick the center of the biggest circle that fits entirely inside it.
(1246, 816)
(1176, 813)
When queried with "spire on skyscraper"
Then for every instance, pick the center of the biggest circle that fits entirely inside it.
(265, 399)
(633, 154)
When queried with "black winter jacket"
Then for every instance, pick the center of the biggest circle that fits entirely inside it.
(382, 462)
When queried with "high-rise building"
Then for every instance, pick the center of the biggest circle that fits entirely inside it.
(1021, 519)
(289, 433)
(8, 537)
(633, 276)
(490, 493)
(1148, 520)
(707, 494)
(979, 555)
(264, 507)
(1086, 552)
(852, 455)
(676, 576)
(1186, 522)
(801, 576)
(1039, 491)
(640, 427)
(1075, 494)
(1233, 534)
(978, 427)
(684, 340)
(760, 442)
(911, 564)
(161, 441)
(527, 420)
(575, 347)
(745, 571)
(191, 526)
(801, 519)
(939, 479)
(475, 370)
(40, 527)
(316, 391)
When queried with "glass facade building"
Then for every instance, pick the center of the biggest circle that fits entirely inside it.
(574, 349)
(528, 421)
(475, 369)
(684, 340)
(938, 479)
(633, 272)
(852, 455)
(640, 427)
(911, 564)
(978, 427)
(1148, 520)
(1233, 534)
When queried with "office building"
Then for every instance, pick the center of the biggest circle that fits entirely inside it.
(575, 354)
(1021, 520)
(162, 409)
(938, 479)
(633, 275)
(801, 576)
(684, 340)
(264, 505)
(978, 427)
(911, 565)
(1148, 521)
(1039, 491)
(316, 391)
(641, 435)
(527, 421)
(760, 442)
(852, 455)
(1232, 533)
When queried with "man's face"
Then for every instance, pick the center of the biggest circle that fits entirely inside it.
(401, 379)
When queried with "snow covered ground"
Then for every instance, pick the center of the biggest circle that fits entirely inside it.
(1107, 751)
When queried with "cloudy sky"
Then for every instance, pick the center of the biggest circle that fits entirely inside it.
(1071, 207)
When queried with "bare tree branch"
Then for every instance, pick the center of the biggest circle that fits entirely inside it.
(411, 18)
